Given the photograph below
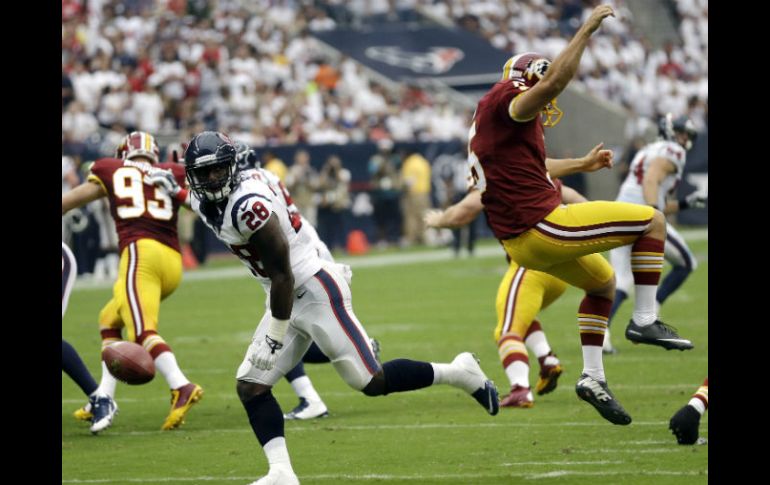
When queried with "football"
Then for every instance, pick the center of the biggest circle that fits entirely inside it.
(129, 362)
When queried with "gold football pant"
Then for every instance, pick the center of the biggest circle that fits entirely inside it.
(567, 243)
(149, 272)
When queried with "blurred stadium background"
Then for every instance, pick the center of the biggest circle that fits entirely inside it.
(377, 84)
(370, 82)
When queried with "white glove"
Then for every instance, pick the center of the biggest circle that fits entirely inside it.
(695, 200)
(165, 180)
(346, 272)
(266, 354)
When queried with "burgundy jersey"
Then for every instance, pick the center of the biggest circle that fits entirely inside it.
(507, 162)
(140, 210)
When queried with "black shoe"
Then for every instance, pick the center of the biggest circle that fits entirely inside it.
(684, 424)
(657, 334)
(597, 394)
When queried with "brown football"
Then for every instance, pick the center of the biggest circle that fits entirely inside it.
(129, 362)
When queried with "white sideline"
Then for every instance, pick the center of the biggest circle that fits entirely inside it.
(427, 256)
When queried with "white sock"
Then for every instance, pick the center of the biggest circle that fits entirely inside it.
(607, 341)
(449, 374)
(518, 373)
(107, 384)
(277, 454)
(698, 405)
(592, 362)
(303, 387)
(537, 342)
(167, 366)
(644, 305)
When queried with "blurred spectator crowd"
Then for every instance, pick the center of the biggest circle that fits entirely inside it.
(620, 64)
(252, 68)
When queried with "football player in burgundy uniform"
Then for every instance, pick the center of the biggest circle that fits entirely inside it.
(654, 173)
(520, 297)
(71, 363)
(150, 264)
(523, 206)
(309, 301)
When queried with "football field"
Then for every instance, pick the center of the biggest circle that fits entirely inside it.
(422, 305)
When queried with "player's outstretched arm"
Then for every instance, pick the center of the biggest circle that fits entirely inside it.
(165, 180)
(531, 102)
(272, 245)
(81, 195)
(457, 215)
(658, 169)
(596, 159)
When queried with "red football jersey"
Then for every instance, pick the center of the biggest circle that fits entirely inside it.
(508, 164)
(139, 208)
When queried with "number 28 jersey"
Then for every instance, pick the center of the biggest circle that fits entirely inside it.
(140, 210)
(246, 210)
(631, 189)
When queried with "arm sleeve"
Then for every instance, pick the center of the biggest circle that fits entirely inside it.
(250, 213)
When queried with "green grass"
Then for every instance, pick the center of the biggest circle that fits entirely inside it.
(429, 311)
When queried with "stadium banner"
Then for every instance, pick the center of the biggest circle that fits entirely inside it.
(404, 53)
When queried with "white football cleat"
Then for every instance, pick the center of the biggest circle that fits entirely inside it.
(278, 476)
(475, 382)
(307, 410)
(104, 409)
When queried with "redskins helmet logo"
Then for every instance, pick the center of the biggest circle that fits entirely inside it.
(538, 68)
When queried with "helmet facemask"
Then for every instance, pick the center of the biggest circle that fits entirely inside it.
(211, 179)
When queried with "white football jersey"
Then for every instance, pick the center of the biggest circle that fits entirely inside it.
(631, 189)
(248, 207)
(321, 248)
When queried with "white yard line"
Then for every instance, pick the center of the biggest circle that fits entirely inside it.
(398, 478)
(323, 426)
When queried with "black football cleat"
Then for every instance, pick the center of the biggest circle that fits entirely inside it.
(658, 334)
(684, 424)
(597, 394)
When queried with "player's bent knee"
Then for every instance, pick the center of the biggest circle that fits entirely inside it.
(247, 390)
(607, 290)
(376, 386)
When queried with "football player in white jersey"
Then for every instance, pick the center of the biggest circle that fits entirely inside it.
(310, 403)
(309, 300)
(653, 174)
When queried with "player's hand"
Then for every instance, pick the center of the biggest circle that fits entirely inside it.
(597, 16)
(695, 200)
(346, 272)
(266, 354)
(597, 158)
(165, 180)
(432, 217)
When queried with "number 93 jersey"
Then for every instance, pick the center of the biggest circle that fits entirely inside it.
(140, 209)
(246, 210)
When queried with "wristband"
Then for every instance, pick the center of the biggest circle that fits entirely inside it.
(182, 195)
(277, 329)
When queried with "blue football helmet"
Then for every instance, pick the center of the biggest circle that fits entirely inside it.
(209, 163)
(245, 156)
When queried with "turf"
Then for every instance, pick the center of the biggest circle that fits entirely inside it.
(425, 311)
